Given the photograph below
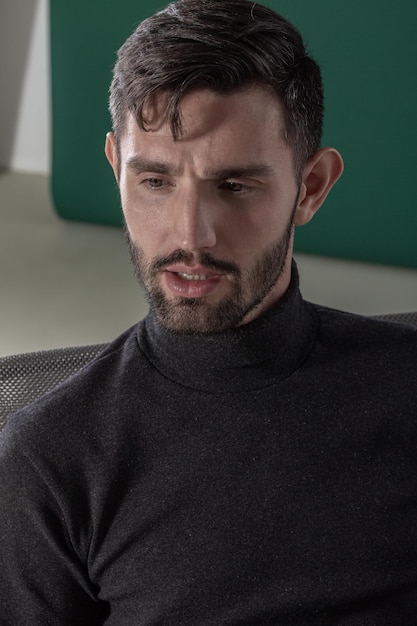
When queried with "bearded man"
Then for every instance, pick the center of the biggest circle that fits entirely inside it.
(240, 456)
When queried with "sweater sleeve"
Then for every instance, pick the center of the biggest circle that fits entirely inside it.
(42, 578)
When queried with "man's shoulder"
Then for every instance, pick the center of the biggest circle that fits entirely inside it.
(383, 326)
(367, 337)
(79, 398)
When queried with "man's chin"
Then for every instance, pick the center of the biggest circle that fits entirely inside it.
(195, 315)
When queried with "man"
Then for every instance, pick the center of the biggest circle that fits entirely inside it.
(240, 456)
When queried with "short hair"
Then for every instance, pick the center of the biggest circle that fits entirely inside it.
(224, 46)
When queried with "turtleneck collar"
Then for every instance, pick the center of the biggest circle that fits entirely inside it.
(251, 356)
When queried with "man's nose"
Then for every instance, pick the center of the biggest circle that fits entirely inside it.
(193, 221)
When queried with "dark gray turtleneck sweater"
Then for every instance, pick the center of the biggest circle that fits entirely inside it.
(265, 475)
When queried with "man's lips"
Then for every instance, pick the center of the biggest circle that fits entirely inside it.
(192, 276)
(197, 272)
(191, 282)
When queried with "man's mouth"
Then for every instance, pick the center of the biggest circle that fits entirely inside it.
(195, 283)
(192, 276)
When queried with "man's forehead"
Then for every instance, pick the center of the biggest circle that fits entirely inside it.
(204, 111)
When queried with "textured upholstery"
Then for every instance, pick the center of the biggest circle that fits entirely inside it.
(25, 377)
(403, 318)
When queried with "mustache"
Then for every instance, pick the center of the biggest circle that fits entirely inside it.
(203, 258)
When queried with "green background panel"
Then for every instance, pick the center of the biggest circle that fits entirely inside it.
(367, 51)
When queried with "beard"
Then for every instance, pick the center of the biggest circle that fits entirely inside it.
(196, 315)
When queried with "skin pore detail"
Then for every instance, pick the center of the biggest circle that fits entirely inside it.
(209, 216)
(190, 311)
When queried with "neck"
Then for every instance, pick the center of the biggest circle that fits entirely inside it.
(258, 353)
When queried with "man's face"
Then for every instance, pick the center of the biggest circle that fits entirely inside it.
(209, 217)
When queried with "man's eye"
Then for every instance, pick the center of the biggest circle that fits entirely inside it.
(234, 187)
(154, 183)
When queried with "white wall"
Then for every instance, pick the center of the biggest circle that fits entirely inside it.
(24, 85)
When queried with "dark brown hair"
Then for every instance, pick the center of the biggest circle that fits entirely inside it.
(223, 45)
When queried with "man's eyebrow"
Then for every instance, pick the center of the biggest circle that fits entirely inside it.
(139, 164)
(244, 171)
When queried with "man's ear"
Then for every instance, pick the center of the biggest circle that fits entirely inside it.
(111, 152)
(320, 174)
